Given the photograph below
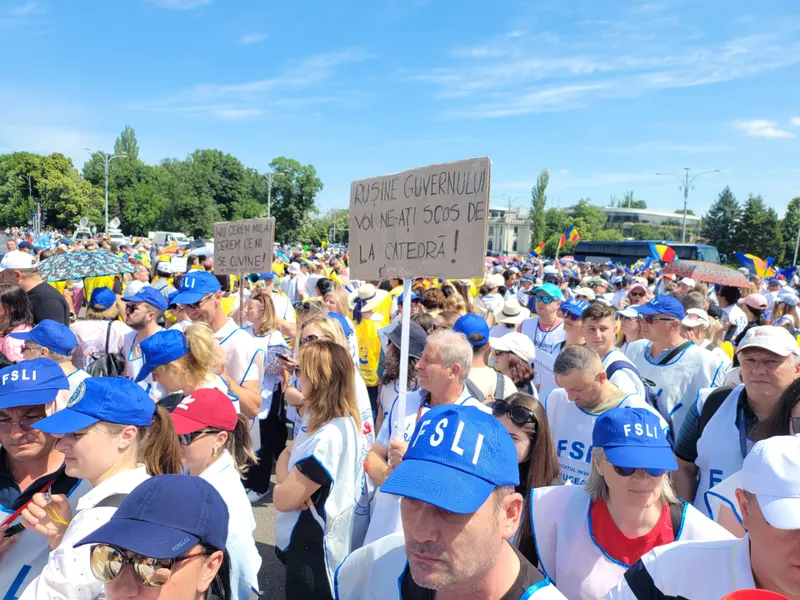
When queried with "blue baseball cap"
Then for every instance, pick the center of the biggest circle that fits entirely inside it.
(112, 399)
(663, 305)
(195, 286)
(171, 299)
(634, 438)
(161, 348)
(31, 382)
(414, 298)
(458, 449)
(575, 307)
(52, 335)
(102, 299)
(549, 289)
(150, 295)
(165, 517)
(470, 324)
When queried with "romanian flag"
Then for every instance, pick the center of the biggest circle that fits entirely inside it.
(537, 252)
(571, 235)
(662, 253)
(756, 265)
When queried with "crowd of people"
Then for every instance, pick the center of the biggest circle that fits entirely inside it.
(568, 430)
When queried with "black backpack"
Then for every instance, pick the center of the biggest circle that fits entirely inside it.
(107, 364)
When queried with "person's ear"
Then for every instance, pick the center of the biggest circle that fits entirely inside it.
(456, 369)
(211, 567)
(601, 377)
(128, 436)
(511, 514)
(744, 508)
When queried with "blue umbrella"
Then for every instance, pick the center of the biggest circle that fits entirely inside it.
(79, 265)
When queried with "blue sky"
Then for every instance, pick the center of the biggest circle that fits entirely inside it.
(604, 94)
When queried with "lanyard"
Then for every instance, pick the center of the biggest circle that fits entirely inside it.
(544, 339)
(18, 512)
(742, 427)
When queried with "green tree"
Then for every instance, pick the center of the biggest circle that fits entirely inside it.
(127, 143)
(294, 189)
(629, 202)
(721, 223)
(789, 228)
(689, 211)
(538, 203)
(760, 230)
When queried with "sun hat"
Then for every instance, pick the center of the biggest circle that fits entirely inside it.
(204, 408)
(755, 301)
(195, 286)
(770, 472)
(629, 312)
(161, 348)
(549, 289)
(365, 299)
(166, 516)
(113, 399)
(472, 324)
(416, 339)
(663, 305)
(455, 448)
(696, 317)
(773, 339)
(31, 382)
(517, 343)
(512, 313)
(50, 334)
(688, 282)
(633, 438)
(494, 281)
(788, 297)
(637, 286)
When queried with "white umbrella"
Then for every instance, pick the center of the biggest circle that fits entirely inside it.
(207, 250)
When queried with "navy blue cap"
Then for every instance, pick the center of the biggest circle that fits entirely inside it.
(31, 382)
(102, 299)
(111, 399)
(166, 516)
(150, 295)
(171, 299)
(455, 448)
(161, 348)
(575, 307)
(471, 323)
(414, 298)
(52, 335)
(634, 438)
(195, 285)
(663, 305)
(25, 244)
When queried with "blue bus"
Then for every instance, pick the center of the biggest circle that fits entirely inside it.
(628, 253)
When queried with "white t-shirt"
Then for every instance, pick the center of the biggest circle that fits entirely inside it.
(571, 428)
(548, 345)
(132, 354)
(91, 336)
(624, 379)
(272, 378)
(245, 360)
(737, 317)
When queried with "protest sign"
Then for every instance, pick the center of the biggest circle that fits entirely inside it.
(243, 246)
(426, 222)
(178, 264)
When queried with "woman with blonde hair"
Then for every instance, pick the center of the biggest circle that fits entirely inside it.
(336, 301)
(630, 327)
(317, 495)
(455, 303)
(704, 331)
(114, 436)
(784, 313)
(101, 331)
(587, 536)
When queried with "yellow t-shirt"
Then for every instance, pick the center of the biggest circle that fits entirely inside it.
(369, 350)
(90, 283)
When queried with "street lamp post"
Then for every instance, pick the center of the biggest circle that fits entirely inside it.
(107, 160)
(269, 194)
(685, 185)
(35, 206)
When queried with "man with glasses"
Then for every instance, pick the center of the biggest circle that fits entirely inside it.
(584, 394)
(674, 369)
(29, 464)
(546, 330)
(201, 297)
(637, 294)
(55, 341)
(142, 313)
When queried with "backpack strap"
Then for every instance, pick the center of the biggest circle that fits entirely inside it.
(112, 501)
(621, 364)
(499, 389)
(676, 516)
(473, 389)
(108, 335)
(674, 352)
(711, 406)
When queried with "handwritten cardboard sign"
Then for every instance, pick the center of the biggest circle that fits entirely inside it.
(179, 264)
(427, 222)
(243, 246)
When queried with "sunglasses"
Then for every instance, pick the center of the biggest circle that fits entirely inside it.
(650, 319)
(628, 471)
(24, 424)
(131, 308)
(518, 414)
(569, 316)
(198, 304)
(313, 337)
(635, 294)
(545, 300)
(107, 563)
(186, 439)
(795, 421)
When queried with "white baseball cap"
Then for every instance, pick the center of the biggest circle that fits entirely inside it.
(16, 259)
(770, 472)
(495, 280)
(695, 317)
(585, 292)
(164, 267)
(773, 339)
(518, 344)
(629, 311)
(688, 282)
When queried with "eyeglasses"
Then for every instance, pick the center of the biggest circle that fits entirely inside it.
(544, 300)
(186, 439)
(312, 337)
(25, 348)
(795, 422)
(628, 471)
(569, 316)
(131, 307)
(518, 414)
(24, 424)
(650, 319)
(107, 563)
(198, 304)
(635, 294)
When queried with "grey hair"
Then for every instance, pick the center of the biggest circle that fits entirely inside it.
(577, 358)
(454, 349)
(597, 487)
(54, 356)
(694, 300)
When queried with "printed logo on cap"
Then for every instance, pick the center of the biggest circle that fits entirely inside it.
(77, 395)
(19, 375)
(185, 403)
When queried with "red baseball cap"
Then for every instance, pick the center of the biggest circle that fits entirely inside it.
(204, 408)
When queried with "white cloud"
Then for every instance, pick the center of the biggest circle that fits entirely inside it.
(180, 4)
(42, 139)
(760, 128)
(19, 13)
(667, 147)
(795, 121)
(252, 38)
